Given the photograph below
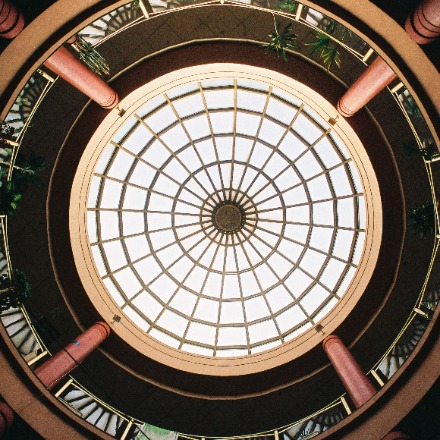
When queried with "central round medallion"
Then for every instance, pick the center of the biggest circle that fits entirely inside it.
(228, 218)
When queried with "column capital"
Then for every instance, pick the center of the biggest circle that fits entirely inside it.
(11, 20)
(103, 327)
(72, 39)
(423, 24)
(329, 340)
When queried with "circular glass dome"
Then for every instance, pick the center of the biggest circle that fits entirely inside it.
(224, 216)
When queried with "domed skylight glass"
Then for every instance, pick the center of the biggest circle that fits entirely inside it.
(225, 217)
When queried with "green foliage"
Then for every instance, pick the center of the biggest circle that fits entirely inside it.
(411, 107)
(135, 4)
(286, 5)
(326, 48)
(23, 286)
(280, 40)
(26, 172)
(14, 292)
(325, 44)
(421, 218)
(6, 134)
(9, 197)
(428, 152)
(94, 60)
(330, 56)
(335, 29)
(410, 148)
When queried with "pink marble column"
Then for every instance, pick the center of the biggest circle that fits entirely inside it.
(356, 383)
(377, 76)
(11, 20)
(423, 24)
(396, 435)
(64, 64)
(72, 39)
(55, 368)
(6, 418)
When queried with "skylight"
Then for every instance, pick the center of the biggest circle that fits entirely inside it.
(225, 217)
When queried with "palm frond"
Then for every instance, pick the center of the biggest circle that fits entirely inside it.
(328, 51)
(280, 40)
(321, 42)
(330, 56)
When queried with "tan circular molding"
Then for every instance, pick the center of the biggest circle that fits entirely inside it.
(107, 307)
(64, 18)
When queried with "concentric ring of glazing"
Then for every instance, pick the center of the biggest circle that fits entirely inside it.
(225, 217)
(189, 162)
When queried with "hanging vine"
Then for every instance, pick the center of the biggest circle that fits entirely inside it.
(94, 60)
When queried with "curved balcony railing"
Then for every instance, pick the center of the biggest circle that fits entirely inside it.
(20, 115)
(306, 428)
(120, 19)
(27, 103)
(20, 326)
(95, 411)
(17, 322)
(110, 23)
(137, 11)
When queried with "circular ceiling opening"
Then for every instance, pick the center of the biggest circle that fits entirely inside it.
(224, 216)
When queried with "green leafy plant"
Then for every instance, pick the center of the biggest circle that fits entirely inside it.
(94, 60)
(325, 44)
(26, 172)
(327, 50)
(6, 135)
(421, 218)
(14, 292)
(286, 5)
(428, 152)
(135, 4)
(280, 40)
(9, 197)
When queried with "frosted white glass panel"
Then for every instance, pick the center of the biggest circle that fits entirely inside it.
(226, 217)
